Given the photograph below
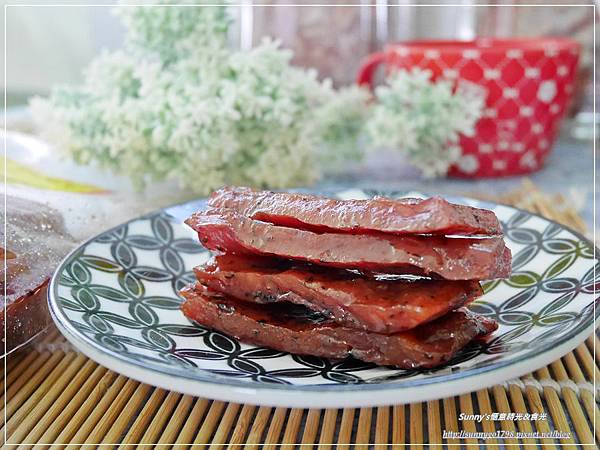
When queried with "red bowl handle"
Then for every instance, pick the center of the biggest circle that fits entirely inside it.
(368, 68)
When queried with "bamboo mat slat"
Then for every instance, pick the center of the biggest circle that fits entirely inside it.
(56, 397)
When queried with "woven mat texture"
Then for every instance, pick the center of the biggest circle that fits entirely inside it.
(57, 396)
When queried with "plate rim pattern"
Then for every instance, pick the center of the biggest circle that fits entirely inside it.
(205, 376)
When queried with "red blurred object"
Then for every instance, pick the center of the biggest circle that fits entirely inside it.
(529, 83)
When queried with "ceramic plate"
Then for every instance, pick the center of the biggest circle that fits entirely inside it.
(115, 298)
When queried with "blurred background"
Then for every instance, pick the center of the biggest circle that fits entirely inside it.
(54, 44)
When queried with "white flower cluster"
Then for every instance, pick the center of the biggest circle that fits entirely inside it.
(340, 122)
(177, 103)
(424, 119)
(174, 33)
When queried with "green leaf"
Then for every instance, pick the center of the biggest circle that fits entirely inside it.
(246, 365)
(185, 245)
(489, 286)
(105, 238)
(523, 279)
(556, 285)
(162, 229)
(175, 358)
(343, 377)
(171, 260)
(120, 320)
(99, 324)
(143, 314)
(557, 304)
(222, 343)
(261, 353)
(162, 302)
(200, 354)
(589, 275)
(124, 255)
(109, 293)
(86, 298)
(556, 319)
(79, 272)
(514, 333)
(559, 246)
(520, 299)
(66, 280)
(523, 236)
(134, 342)
(151, 273)
(112, 344)
(585, 250)
(559, 266)
(482, 307)
(67, 304)
(99, 263)
(524, 256)
(182, 330)
(515, 317)
(143, 242)
(131, 285)
(183, 281)
(552, 230)
(159, 339)
(295, 373)
(518, 219)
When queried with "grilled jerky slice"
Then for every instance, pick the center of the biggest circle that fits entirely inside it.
(402, 216)
(296, 329)
(451, 258)
(350, 300)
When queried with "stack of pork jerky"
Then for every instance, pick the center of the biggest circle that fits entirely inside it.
(382, 280)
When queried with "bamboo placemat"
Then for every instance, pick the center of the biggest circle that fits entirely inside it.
(56, 396)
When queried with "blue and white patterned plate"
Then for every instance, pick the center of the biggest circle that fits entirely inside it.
(115, 298)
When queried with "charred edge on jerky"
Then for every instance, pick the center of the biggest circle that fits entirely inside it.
(302, 313)
(263, 297)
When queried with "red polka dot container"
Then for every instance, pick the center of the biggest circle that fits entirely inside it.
(528, 82)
